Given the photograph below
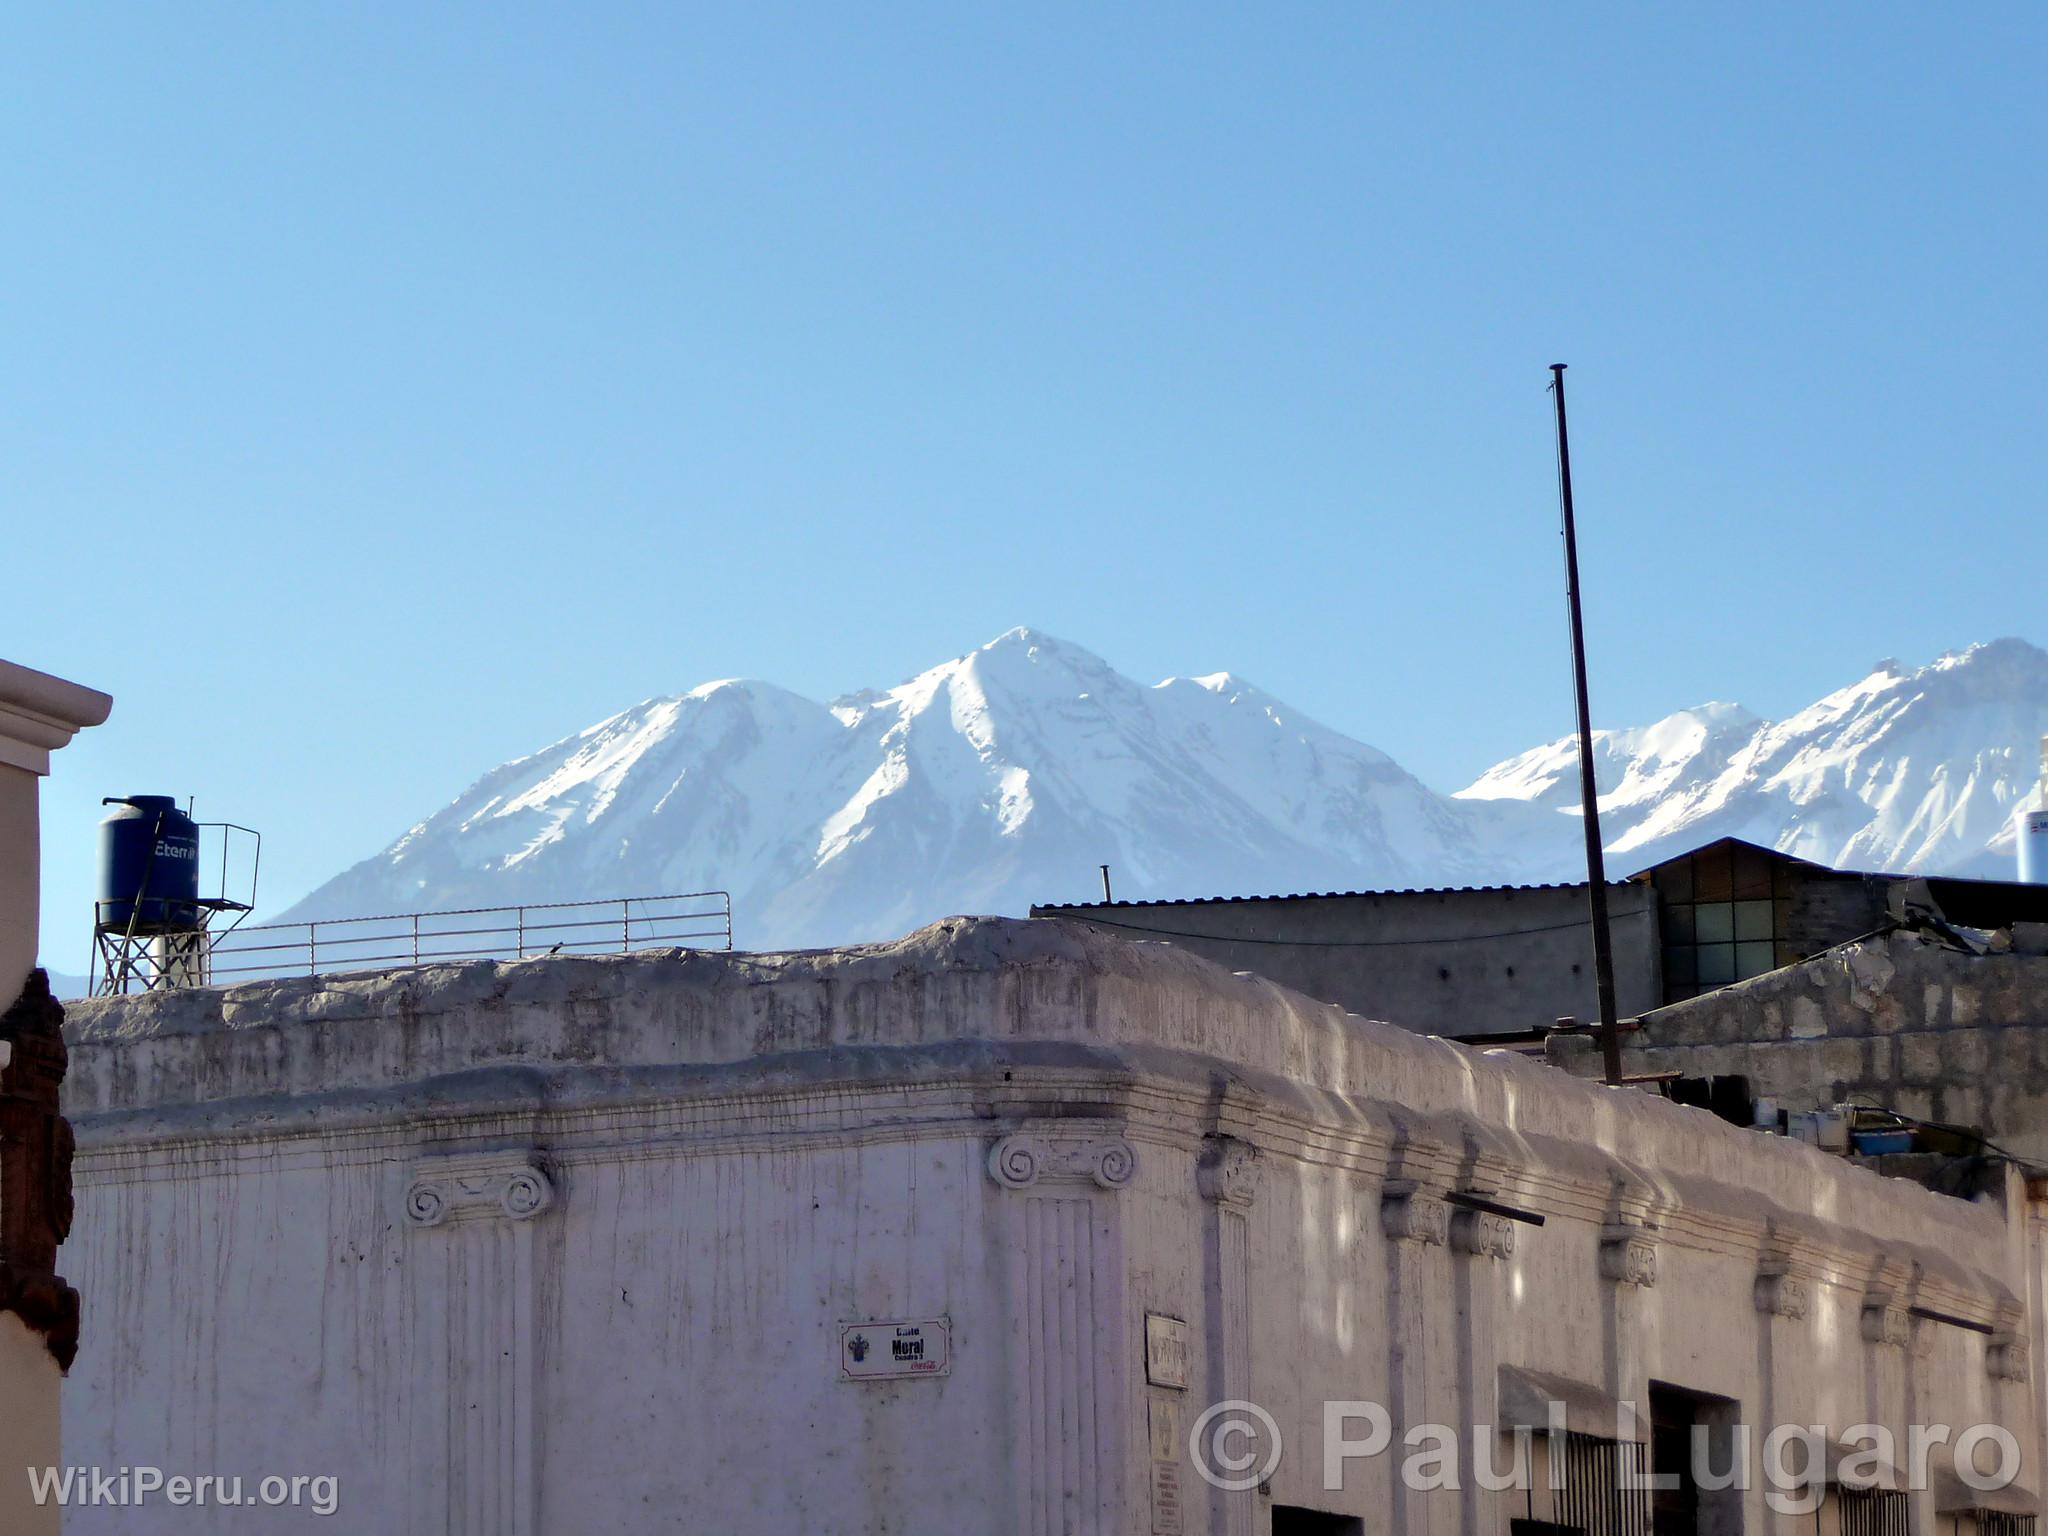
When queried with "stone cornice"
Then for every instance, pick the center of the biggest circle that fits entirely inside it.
(1565, 1182)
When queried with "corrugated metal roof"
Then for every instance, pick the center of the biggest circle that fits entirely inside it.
(1639, 876)
(1212, 901)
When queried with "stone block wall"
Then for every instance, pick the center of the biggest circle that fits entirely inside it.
(1907, 1021)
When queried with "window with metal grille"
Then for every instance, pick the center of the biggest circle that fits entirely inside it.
(1604, 1492)
(1992, 1522)
(1871, 1512)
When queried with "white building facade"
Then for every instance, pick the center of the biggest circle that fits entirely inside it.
(965, 1234)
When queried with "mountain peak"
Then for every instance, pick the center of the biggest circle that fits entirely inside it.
(1023, 639)
(2008, 652)
(1019, 635)
(1032, 661)
(719, 685)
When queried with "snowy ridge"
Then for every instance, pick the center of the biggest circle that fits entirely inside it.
(1916, 771)
(1005, 776)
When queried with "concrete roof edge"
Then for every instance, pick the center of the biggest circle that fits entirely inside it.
(71, 705)
(40, 713)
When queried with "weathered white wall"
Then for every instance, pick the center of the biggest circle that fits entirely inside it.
(656, 1186)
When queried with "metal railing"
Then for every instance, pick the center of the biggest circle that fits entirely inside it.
(695, 920)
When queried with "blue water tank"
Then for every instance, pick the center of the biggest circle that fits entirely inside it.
(149, 866)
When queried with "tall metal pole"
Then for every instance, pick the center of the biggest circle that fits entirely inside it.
(1589, 793)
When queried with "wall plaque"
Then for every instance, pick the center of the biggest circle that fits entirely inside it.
(1166, 1351)
(893, 1348)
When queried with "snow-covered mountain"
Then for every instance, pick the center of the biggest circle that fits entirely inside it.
(1915, 771)
(993, 781)
(1007, 776)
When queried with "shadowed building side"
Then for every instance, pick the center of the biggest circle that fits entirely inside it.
(1506, 960)
(1487, 961)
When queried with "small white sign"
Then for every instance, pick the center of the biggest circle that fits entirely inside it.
(1166, 1351)
(1166, 1499)
(893, 1348)
(1162, 1416)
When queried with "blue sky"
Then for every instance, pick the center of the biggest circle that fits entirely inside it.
(390, 390)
